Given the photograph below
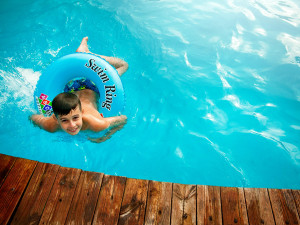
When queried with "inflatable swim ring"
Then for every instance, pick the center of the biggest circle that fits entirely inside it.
(84, 68)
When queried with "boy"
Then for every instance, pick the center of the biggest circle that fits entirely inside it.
(78, 111)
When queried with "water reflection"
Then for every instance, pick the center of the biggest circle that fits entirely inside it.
(292, 47)
(275, 134)
(287, 10)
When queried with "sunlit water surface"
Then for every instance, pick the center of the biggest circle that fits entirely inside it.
(212, 92)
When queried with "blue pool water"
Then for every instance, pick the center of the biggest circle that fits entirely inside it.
(212, 92)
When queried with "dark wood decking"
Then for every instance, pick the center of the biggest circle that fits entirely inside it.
(39, 193)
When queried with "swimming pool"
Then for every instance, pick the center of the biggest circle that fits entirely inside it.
(212, 90)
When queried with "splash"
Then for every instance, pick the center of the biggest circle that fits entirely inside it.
(18, 87)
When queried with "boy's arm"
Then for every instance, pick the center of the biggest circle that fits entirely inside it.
(116, 120)
(47, 123)
(96, 124)
(107, 135)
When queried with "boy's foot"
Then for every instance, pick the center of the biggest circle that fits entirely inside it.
(83, 47)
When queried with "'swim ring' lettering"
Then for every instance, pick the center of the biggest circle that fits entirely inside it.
(97, 69)
(109, 90)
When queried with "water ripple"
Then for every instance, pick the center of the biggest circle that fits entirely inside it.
(225, 156)
(292, 47)
(287, 11)
(274, 134)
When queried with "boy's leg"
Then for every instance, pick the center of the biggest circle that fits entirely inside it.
(120, 65)
(83, 47)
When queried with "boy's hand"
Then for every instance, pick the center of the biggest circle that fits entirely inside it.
(99, 140)
(108, 135)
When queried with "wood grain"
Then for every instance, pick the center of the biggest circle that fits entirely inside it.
(6, 163)
(134, 202)
(13, 187)
(258, 206)
(61, 195)
(233, 206)
(159, 199)
(184, 204)
(110, 199)
(213, 214)
(35, 197)
(284, 207)
(85, 198)
(200, 204)
(296, 194)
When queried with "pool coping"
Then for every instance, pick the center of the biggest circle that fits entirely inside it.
(32, 192)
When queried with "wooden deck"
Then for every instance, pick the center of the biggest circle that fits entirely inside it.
(38, 193)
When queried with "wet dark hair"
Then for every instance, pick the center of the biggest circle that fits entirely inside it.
(63, 103)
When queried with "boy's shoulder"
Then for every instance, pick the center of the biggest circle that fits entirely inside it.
(94, 123)
(53, 125)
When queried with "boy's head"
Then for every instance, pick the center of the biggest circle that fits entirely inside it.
(67, 110)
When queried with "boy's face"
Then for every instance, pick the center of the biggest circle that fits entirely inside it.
(72, 122)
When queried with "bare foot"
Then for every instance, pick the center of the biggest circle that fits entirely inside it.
(83, 46)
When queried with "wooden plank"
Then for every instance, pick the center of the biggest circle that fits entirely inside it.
(61, 195)
(184, 204)
(110, 199)
(85, 198)
(177, 204)
(190, 200)
(258, 206)
(158, 209)
(34, 200)
(134, 202)
(200, 204)
(233, 206)
(213, 214)
(6, 163)
(14, 186)
(243, 207)
(296, 194)
(284, 207)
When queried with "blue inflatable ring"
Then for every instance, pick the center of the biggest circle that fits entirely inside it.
(106, 78)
